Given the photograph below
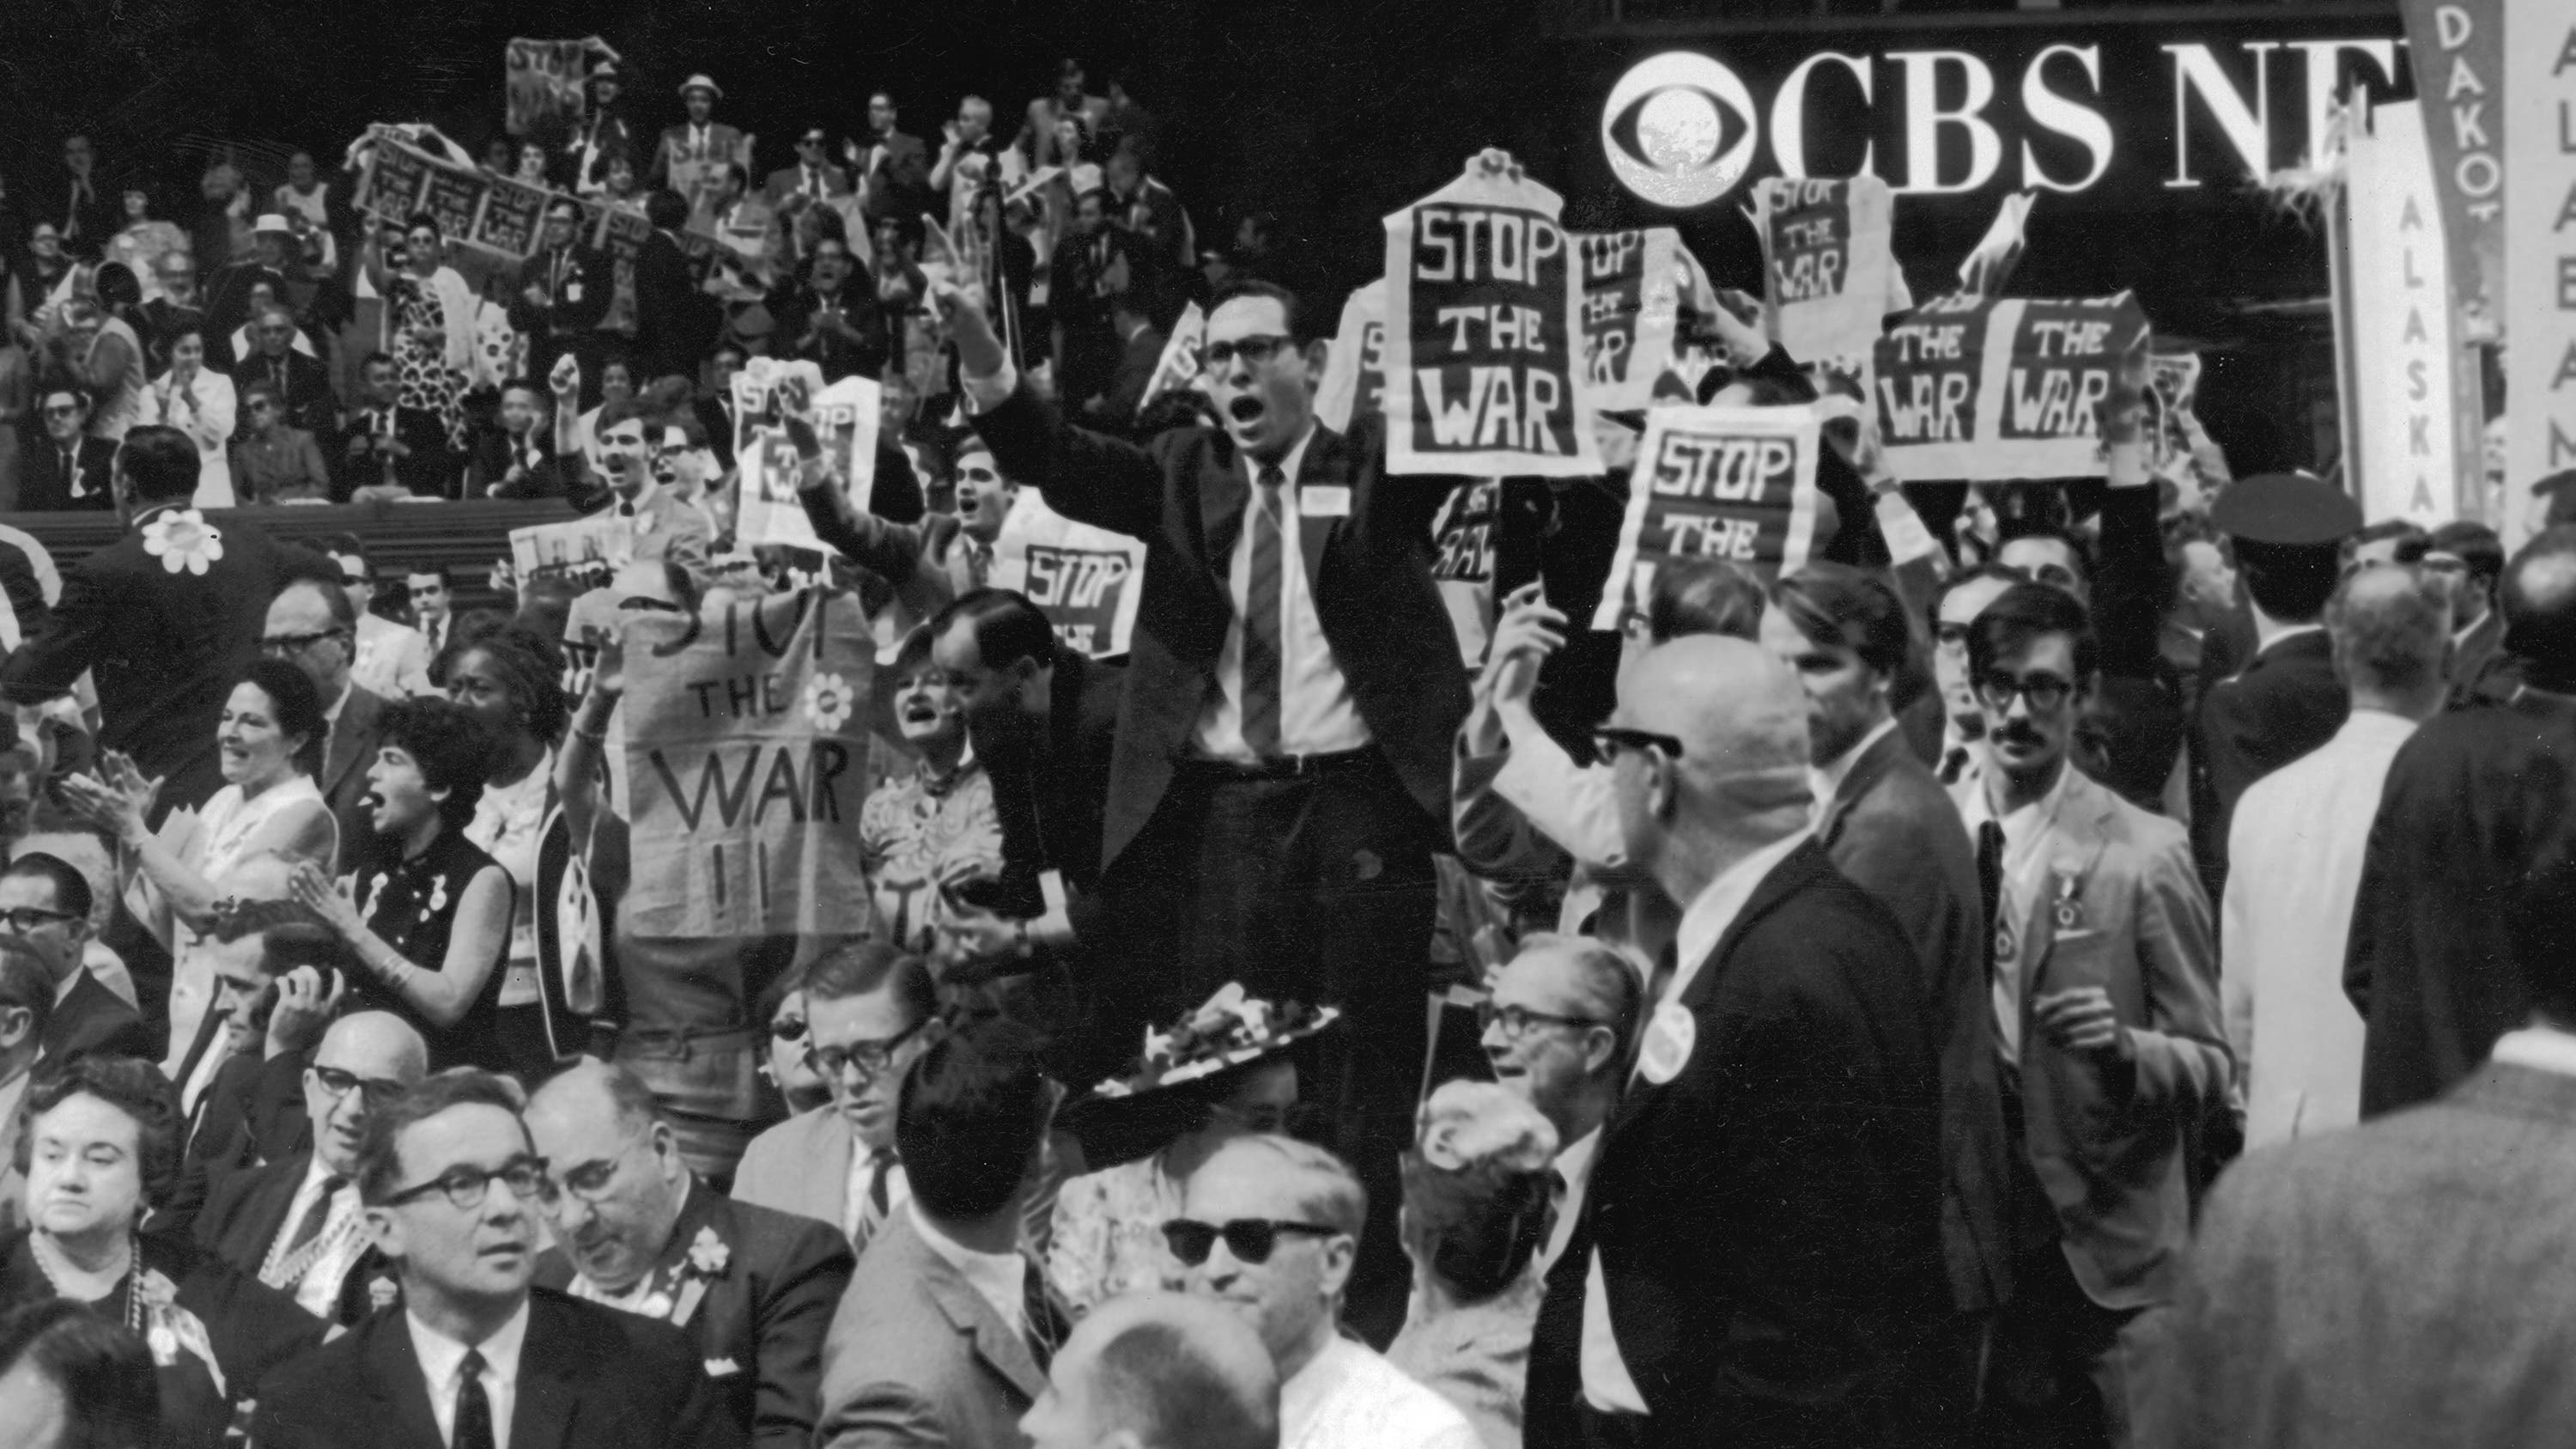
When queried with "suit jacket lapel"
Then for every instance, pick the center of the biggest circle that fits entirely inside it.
(396, 1382)
(356, 724)
(1863, 777)
(1790, 873)
(1222, 493)
(1001, 1348)
(542, 1417)
(255, 1231)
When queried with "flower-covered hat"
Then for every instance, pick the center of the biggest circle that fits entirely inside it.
(1229, 1030)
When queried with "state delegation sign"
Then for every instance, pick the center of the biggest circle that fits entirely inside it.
(1736, 484)
(1483, 305)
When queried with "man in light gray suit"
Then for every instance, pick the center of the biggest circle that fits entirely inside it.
(2106, 1015)
(868, 1014)
(2400, 1283)
(315, 627)
(945, 1335)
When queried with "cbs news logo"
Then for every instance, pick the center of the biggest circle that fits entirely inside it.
(1680, 129)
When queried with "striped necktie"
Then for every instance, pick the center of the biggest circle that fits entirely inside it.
(1261, 644)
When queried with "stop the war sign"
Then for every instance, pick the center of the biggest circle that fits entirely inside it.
(1737, 484)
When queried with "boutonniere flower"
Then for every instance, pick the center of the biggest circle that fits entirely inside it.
(708, 1254)
(182, 539)
(383, 1292)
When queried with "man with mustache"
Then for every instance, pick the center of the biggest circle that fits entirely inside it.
(2105, 987)
(635, 1230)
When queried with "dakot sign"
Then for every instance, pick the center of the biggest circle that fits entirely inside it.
(2141, 107)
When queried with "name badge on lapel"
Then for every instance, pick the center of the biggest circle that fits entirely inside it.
(2068, 908)
(1325, 500)
(1670, 1035)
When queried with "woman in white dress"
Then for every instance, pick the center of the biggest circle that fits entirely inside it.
(198, 401)
(270, 737)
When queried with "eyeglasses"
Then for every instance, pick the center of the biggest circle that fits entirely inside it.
(871, 1058)
(1216, 356)
(62, 410)
(2045, 692)
(338, 1084)
(1250, 1240)
(1517, 1020)
(587, 1183)
(466, 1187)
(1609, 740)
(295, 643)
(787, 1028)
(1949, 635)
(23, 919)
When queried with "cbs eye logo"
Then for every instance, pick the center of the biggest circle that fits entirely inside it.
(1679, 129)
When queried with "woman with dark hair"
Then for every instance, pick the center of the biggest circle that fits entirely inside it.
(198, 401)
(433, 324)
(428, 918)
(270, 743)
(97, 1376)
(99, 1140)
(512, 679)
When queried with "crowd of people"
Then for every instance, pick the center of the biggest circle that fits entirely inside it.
(2064, 964)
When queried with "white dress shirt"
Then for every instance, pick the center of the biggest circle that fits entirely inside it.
(1000, 1279)
(1348, 1397)
(317, 1289)
(1573, 1169)
(1607, 1384)
(2026, 832)
(854, 1191)
(2538, 1048)
(1316, 716)
(442, 1364)
(2295, 848)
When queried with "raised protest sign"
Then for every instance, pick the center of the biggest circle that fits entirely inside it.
(1462, 563)
(2458, 46)
(513, 219)
(545, 80)
(2539, 258)
(747, 762)
(1354, 381)
(1825, 264)
(601, 541)
(1737, 484)
(471, 206)
(845, 417)
(1631, 300)
(1484, 311)
(1996, 389)
(1179, 365)
(2409, 444)
(1086, 580)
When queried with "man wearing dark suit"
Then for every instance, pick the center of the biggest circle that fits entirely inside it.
(672, 318)
(45, 907)
(1888, 827)
(562, 293)
(754, 1289)
(813, 180)
(2470, 558)
(517, 459)
(314, 626)
(832, 321)
(945, 1334)
(2286, 701)
(474, 1357)
(2105, 995)
(1792, 1298)
(2375, 1288)
(161, 620)
(2458, 823)
(1140, 356)
(296, 1223)
(302, 381)
(894, 170)
(1281, 773)
(386, 450)
(68, 470)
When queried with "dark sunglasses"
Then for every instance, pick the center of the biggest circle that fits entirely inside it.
(62, 410)
(1250, 1240)
(787, 1028)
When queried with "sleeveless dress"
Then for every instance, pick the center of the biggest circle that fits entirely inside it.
(225, 829)
(411, 905)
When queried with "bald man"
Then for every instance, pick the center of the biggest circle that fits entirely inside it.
(296, 1222)
(1780, 1300)
(635, 1230)
(1158, 1371)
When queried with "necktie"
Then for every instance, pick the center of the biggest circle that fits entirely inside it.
(277, 374)
(879, 1200)
(473, 1407)
(315, 1217)
(1990, 884)
(813, 183)
(626, 510)
(1261, 678)
(72, 474)
(979, 561)
(1045, 1330)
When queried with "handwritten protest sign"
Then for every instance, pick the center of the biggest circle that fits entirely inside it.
(746, 756)
(1179, 365)
(1462, 563)
(1087, 580)
(1354, 381)
(1996, 389)
(1484, 321)
(601, 541)
(1737, 484)
(1826, 260)
(511, 219)
(845, 417)
(1631, 300)
(399, 179)
(544, 81)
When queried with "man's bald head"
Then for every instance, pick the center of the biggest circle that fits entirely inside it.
(591, 1088)
(375, 1044)
(1739, 781)
(1160, 1371)
(2540, 609)
(366, 1060)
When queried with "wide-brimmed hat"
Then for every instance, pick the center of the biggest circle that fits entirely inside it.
(701, 82)
(1231, 1029)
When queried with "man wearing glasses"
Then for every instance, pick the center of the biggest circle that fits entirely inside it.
(45, 907)
(476, 1359)
(296, 1223)
(1270, 1228)
(69, 470)
(313, 626)
(2105, 984)
(635, 1230)
(867, 1014)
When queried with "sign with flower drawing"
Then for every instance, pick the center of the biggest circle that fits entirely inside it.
(746, 762)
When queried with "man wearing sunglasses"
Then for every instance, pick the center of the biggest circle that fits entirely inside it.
(635, 1230)
(1270, 1228)
(1282, 765)
(475, 1358)
(2105, 995)
(296, 1223)
(68, 470)
(1797, 1287)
